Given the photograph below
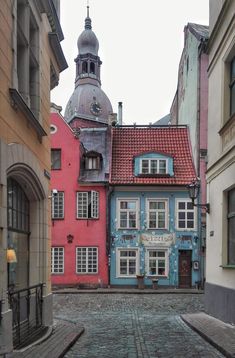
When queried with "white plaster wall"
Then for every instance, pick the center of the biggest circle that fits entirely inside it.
(216, 244)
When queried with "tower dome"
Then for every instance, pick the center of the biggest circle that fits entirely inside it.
(87, 41)
(88, 100)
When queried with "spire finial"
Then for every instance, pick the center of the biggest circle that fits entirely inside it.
(87, 6)
(88, 20)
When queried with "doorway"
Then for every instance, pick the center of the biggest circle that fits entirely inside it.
(185, 268)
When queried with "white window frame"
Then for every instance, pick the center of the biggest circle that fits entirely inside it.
(89, 259)
(137, 202)
(149, 165)
(57, 268)
(148, 200)
(88, 198)
(157, 259)
(128, 258)
(184, 200)
(57, 206)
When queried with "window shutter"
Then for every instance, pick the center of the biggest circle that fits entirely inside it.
(94, 204)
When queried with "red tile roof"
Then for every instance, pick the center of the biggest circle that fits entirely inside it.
(128, 142)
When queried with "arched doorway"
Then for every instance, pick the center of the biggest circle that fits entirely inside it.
(18, 236)
(25, 254)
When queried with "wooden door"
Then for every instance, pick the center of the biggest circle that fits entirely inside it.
(185, 268)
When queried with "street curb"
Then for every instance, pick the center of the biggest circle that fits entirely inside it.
(71, 343)
(208, 339)
(133, 291)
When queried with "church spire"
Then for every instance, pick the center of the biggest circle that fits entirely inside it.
(88, 19)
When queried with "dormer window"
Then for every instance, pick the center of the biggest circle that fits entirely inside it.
(93, 161)
(153, 166)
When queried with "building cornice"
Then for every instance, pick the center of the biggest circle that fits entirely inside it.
(18, 102)
(48, 7)
(57, 50)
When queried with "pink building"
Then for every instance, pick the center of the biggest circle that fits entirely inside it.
(80, 173)
(79, 206)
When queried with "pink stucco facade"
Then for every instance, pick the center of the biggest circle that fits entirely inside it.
(84, 232)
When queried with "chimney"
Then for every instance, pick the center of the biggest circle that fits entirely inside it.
(120, 113)
(112, 119)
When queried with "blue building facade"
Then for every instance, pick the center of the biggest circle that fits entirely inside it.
(159, 239)
(153, 223)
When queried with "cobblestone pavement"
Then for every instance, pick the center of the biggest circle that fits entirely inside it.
(133, 326)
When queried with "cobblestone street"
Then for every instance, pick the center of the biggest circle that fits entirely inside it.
(133, 326)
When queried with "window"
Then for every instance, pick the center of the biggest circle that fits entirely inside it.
(28, 56)
(92, 162)
(58, 205)
(18, 207)
(127, 213)
(153, 166)
(57, 260)
(157, 262)
(185, 215)
(55, 159)
(87, 205)
(92, 67)
(231, 227)
(232, 86)
(127, 262)
(157, 214)
(84, 67)
(87, 260)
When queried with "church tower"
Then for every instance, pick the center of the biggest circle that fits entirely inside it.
(88, 104)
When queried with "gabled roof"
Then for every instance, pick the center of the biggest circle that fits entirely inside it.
(128, 142)
(200, 31)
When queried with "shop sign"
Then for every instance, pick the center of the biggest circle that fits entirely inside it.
(162, 240)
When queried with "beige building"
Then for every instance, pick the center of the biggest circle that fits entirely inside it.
(31, 59)
(220, 273)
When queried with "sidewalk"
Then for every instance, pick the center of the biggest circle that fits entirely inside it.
(74, 290)
(61, 338)
(221, 335)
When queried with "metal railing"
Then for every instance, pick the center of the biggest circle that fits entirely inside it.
(26, 305)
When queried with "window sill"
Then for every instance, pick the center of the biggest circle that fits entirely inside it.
(127, 228)
(227, 124)
(228, 267)
(18, 102)
(154, 175)
(87, 219)
(157, 229)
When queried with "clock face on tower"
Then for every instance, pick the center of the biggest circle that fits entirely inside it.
(95, 108)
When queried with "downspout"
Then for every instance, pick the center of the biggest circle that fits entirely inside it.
(108, 201)
(198, 128)
(108, 235)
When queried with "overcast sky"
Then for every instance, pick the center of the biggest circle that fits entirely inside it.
(140, 46)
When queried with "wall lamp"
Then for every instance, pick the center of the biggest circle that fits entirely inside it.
(193, 191)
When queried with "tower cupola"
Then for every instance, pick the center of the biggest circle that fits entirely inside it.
(88, 101)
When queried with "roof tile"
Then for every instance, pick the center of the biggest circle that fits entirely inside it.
(129, 142)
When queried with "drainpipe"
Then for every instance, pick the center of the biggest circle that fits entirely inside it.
(108, 234)
(202, 258)
(120, 113)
